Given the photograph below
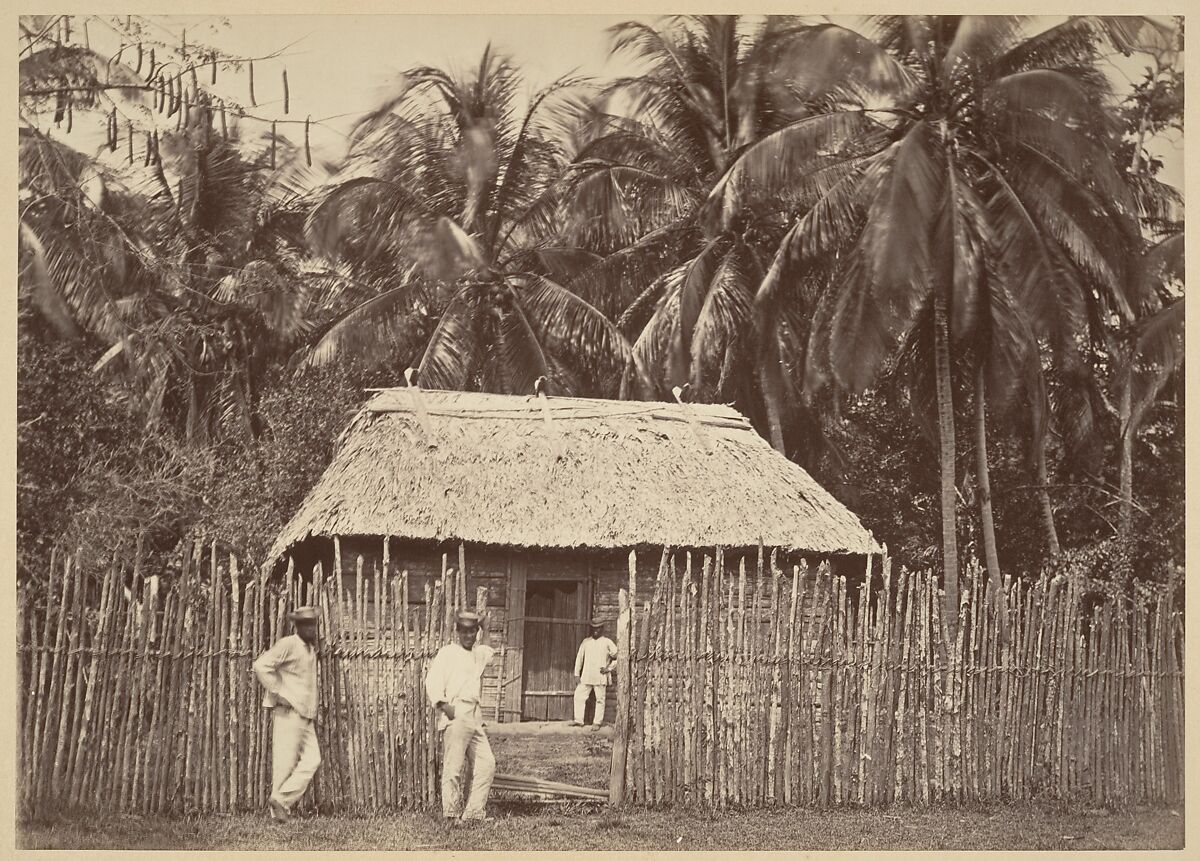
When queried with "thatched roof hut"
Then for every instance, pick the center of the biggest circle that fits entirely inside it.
(567, 473)
(540, 500)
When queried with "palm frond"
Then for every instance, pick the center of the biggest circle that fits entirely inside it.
(451, 351)
(45, 294)
(389, 323)
(825, 57)
(521, 359)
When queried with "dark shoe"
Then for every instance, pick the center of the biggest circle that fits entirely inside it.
(574, 723)
(595, 727)
(279, 813)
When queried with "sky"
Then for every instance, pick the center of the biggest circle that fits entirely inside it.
(341, 66)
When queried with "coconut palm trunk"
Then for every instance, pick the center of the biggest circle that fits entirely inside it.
(946, 453)
(983, 479)
(1125, 507)
(1043, 492)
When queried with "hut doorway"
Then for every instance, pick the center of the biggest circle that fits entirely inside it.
(556, 617)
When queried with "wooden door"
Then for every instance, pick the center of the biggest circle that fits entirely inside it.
(555, 625)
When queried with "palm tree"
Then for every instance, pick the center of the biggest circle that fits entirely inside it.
(445, 218)
(965, 176)
(681, 279)
(191, 287)
(182, 263)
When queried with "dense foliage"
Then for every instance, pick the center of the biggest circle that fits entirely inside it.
(929, 257)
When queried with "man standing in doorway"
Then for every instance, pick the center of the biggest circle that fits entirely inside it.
(288, 672)
(592, 666)
(454, 687)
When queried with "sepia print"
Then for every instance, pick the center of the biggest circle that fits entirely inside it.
(600, 432)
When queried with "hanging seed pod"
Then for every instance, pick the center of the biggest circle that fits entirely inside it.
(195, 79)
(157, 149)
(185, 116)
(66, 28)
(286, 95)
(138, 67)
(116, 129)
(87, 41)
(70, 116)
(274, 139)
(253, 103)
(160, 95)
(213, 78)
(149, 151)
(224, 127)
(129, 136)
(183, 44)
(151, 70)
(60, 107)
(307, 144)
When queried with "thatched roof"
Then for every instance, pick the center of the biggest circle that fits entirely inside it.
(564, 473)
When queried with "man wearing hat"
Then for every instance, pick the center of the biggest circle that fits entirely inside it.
(454, 687)
(288, 673)
(592, 666)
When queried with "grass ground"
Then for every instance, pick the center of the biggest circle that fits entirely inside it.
(579, 756)
(582, 827)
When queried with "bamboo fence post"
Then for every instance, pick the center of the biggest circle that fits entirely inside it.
(176, 701)
(385, 668)
(108, 787)
(44, 739)
(775, 704)
(99, 776)
(81, 648)
(43, 653)
(862, 667)
(737, 692)
(617, 771)
(707, 664)
(787, 691)
(902, 754)
(149, 760)
(673, 712)
(82, 749)
(841, 711)
(71, 619)
(233, 643)
(159, 764)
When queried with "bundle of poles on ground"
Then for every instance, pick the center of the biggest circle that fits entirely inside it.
(803, 688)
(136, 691)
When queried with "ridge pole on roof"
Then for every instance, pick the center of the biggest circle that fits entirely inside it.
(688, 415)
(418, 402)
(539, 389)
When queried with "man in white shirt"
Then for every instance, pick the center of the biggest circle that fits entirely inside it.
(288, 672)
(592, 666)
(454, 687)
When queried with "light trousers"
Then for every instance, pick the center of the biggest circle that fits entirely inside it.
(463, 740)
(581, 695)
(295, 755)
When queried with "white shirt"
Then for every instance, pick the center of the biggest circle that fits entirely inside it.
(289, 668)
(456, 676)
(594, 655)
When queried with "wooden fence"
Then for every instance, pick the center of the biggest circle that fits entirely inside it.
(732, 689)
(136, 698)
(777, 689)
